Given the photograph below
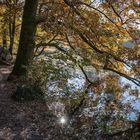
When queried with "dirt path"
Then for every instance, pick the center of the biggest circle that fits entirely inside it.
(28, 121)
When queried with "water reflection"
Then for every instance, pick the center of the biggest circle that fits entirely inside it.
(77, 83)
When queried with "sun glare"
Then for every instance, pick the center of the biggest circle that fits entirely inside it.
(62, 120)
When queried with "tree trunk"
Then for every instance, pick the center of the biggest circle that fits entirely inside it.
(4, 40)
(12, 27)
(27, 38)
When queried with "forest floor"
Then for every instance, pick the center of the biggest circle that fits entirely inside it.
(25, 121)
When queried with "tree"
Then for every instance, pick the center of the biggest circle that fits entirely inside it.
(27, 38)
(102, 36)
(10, 21)
(13, 10)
